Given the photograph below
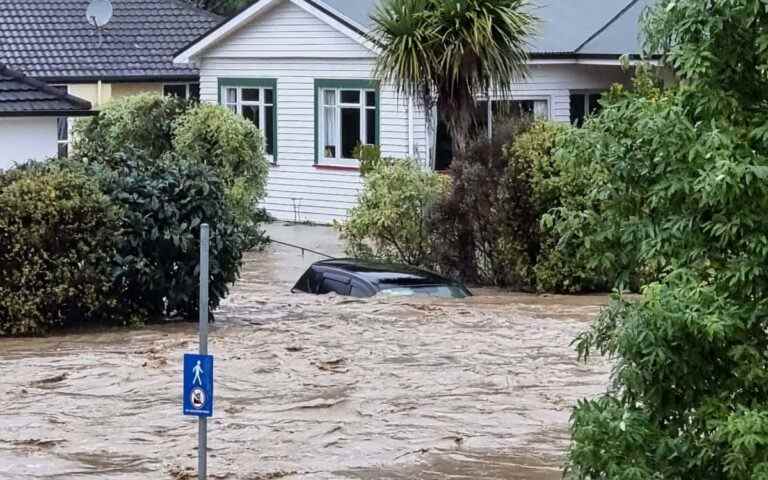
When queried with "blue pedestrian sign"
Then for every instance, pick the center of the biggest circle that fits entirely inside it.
(198, 385)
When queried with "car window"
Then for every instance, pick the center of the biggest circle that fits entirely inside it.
(360, 290)
(445, 291)
(333, 283)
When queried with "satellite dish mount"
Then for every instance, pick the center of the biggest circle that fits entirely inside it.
(98, 14)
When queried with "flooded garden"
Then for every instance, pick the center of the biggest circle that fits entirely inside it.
(310, 387)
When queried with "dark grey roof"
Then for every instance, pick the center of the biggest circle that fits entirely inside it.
(20, 95)
(51, 39)
(586, 27)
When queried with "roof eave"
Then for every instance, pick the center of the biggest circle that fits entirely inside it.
(48, 113)
(118, 78)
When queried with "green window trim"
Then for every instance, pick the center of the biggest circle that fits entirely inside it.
(256, 83)
(374, 85)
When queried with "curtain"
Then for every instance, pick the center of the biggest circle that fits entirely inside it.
(330, 123)
(540, 109)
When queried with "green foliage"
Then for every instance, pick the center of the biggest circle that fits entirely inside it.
(389, 221)
(221, 7)
(233, 146)
(148, 127)
(685, 192)
(369, 157)
(489, 229)
(571, 218)
(156, 268)
(447, 54)
(57, 239)
(142, 123)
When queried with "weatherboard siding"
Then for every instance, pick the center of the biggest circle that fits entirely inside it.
(296, 48)
(287, 30)
(320, 195)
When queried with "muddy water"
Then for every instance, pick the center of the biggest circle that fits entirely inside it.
(308, 387)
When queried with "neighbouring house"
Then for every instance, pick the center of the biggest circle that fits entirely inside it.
(301, 71)
(52, 41)
(29, 112)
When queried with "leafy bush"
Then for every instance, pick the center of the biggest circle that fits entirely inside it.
(57, 238)
(148, 127)
(569, 216)
(232, 145)
(156, 267)
(389, 221)
(142, 123)
(369, 157)
(685, 191)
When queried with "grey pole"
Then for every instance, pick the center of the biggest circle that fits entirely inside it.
(202, 433)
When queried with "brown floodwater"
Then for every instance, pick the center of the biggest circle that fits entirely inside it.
(308, 387)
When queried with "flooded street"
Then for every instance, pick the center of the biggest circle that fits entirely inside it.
(308, 387)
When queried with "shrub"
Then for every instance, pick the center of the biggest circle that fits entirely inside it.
(142, 123)
(486, 230)
(369, 157)
(57, 239)
(685, 191)
(156, 268)
(389, 221)
(560, 186)
(232, 145)
(147, 127)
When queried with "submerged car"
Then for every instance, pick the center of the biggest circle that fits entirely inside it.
(360, 278)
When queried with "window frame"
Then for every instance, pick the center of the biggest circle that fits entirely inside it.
(364, 86)
(187, 88)
(65, 142)
(588, 93)
(515, 98)
(262, 84)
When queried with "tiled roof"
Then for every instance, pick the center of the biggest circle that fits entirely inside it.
(52, 40)
(20, 95)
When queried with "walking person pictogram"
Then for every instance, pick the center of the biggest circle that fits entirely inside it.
(197, 370)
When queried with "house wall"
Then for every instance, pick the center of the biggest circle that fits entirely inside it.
(26, 138)
(100, 96)
(125, 89)
(554, 82)
(295, 48)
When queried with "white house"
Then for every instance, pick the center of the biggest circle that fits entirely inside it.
(29, 110)
(301, 70)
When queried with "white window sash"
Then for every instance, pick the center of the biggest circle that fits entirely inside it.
(338, 107)
(261, 107)
(542, 104)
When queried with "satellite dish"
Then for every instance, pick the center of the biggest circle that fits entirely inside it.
(99, 12)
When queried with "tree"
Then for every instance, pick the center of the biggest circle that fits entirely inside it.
(686, 191)
(447, 54)
(221, 7)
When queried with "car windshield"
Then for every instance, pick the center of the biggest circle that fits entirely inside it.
(445, 291)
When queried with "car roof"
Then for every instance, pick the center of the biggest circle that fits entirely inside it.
(381, 274)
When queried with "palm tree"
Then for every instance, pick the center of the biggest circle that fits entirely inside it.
(447, 53)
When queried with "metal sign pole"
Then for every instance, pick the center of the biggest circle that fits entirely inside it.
(202, 440)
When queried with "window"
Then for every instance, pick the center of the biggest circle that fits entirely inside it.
(507, 109)
(62, 139)
(190, 91)
(347, 116)
(254, 99)
(500, 109)
(62, 128)
(583, 104)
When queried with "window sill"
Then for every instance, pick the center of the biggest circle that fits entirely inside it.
(347, 168)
